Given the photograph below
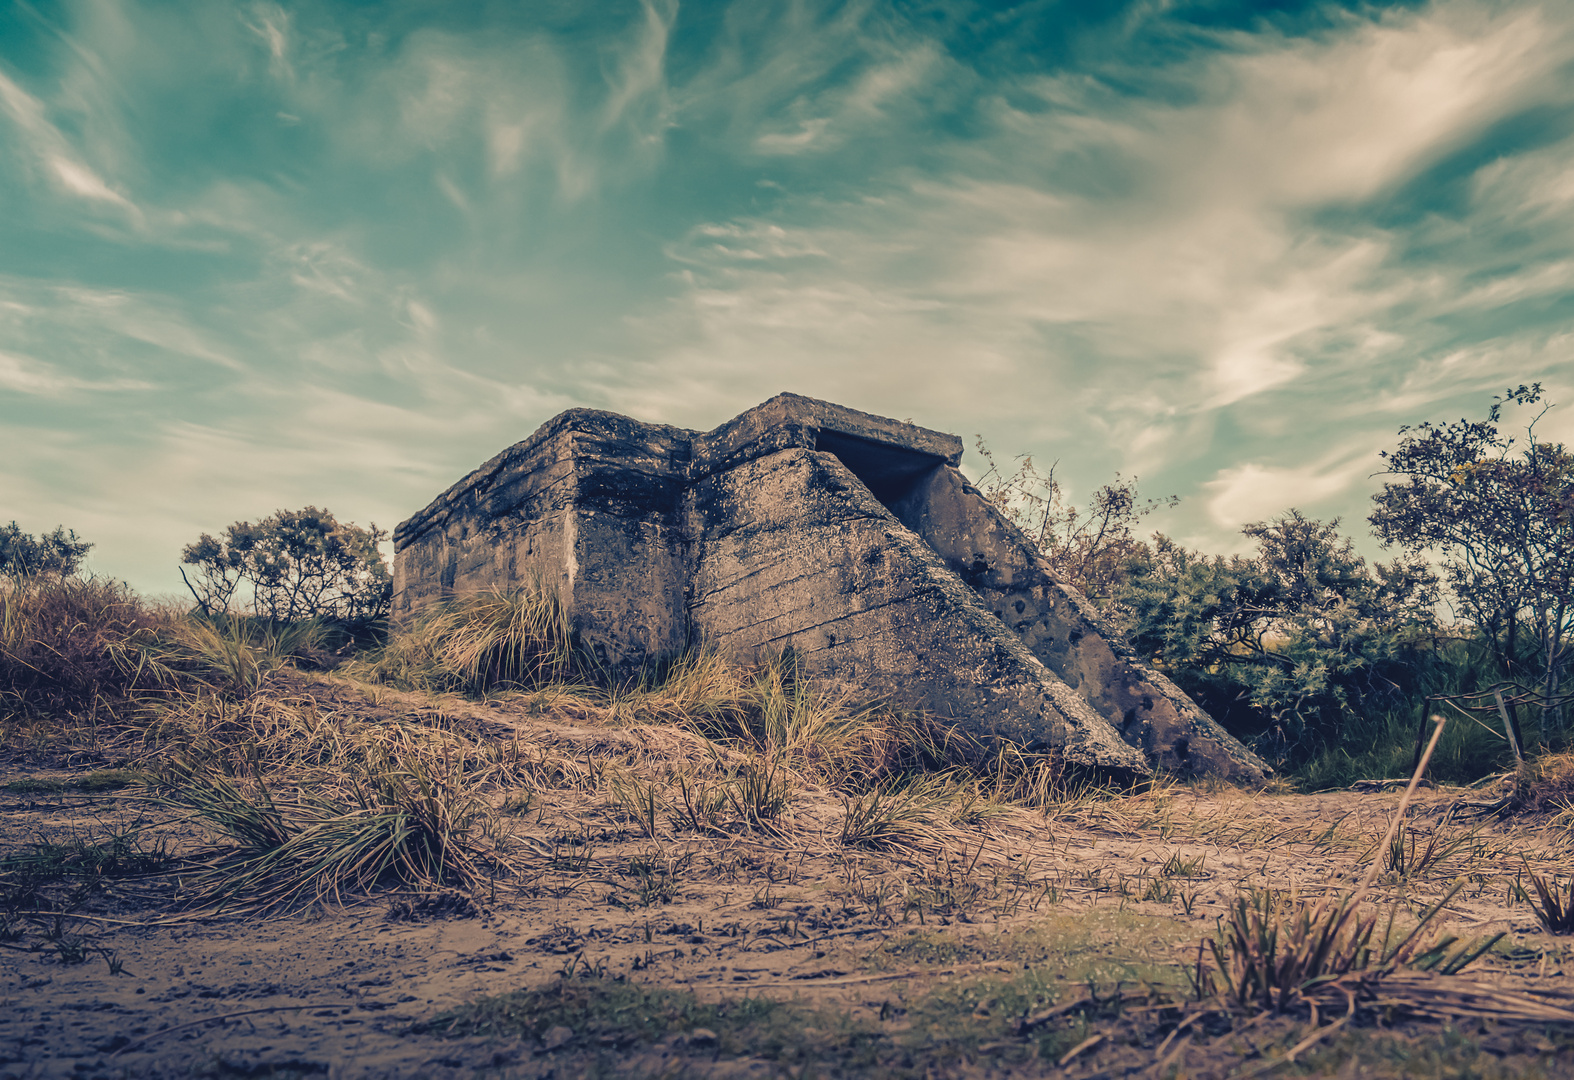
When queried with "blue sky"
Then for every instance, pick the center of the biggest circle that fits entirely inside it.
(259, 255)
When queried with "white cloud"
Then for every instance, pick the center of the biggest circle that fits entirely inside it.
(26, 375)
(829, 119)
(81, 180)
(809, 135)
(1346, 117)
(637, 83)
(48, 147)
(327, 269)
(148, 319)
(1254, 491)
(272, 27)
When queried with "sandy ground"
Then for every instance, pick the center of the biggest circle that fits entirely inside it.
(338, 991)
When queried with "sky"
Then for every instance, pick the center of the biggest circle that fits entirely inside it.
(256, 256)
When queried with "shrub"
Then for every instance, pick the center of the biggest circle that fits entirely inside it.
(1089, 548)
(1500, 517)
(56, 554)
(1289, 647)
(296, 564)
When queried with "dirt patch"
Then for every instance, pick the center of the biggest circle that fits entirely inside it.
(751, 951)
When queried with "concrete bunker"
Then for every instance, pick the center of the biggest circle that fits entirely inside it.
(851, 539)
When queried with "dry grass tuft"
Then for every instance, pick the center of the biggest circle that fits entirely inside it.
(1276, 953)
(230, 655)
(771, 711)
(1546, 785)
(517, 639)
(414, 824)
(65, 642)
(1555, 913)
(913, 815)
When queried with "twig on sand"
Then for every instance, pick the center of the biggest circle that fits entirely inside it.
(1399, 815)
(1086, 1044)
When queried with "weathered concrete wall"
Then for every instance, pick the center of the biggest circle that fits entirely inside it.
(1065, 631)
(849, 538)
(591, 505)
(492, 528)
(795, 552)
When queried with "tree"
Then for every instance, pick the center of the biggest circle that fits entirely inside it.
(1499, 513)
(1283, 647)
(54, 554)
(296, 564)
(1088, 551)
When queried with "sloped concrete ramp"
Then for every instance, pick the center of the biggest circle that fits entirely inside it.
(850, 539)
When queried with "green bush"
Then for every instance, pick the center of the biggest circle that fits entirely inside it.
(291, 566)
(56, 554)
(1288, 648)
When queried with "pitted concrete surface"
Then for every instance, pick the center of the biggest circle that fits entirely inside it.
(850, 539)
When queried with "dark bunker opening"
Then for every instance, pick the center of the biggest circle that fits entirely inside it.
(891, 472)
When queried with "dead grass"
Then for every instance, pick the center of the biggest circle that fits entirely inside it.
(458, 763)
(64, 645)
(914, 815)
(508, 640)
(1554, 903)
(1277, 953)
(1546, 786)
(413, 824)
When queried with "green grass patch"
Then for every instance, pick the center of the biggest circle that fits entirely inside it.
(1470, 1052)
(1384, 747)
(963, 1016)
(1103, 944)
(92, 783)
(37, 785)
(121, 855)
(606, 1018)
(612, 1014)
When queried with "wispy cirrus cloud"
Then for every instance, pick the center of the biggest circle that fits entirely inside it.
(49, 157)
(1142, 282)
(260, 255)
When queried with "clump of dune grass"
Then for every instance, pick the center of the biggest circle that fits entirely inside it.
(897, 773)
(516, 639)
(1010, 774)
(761, 791)
(64, 643)
(1546, 784)
(223, 653)
(1276, 955)
(294, 735)
(699, 689)
(641, 800)
(85, 661)
(1553, 911)
(1274, 952)
(712, 800)
(893, 815)
(411, 824)
(771, 710)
